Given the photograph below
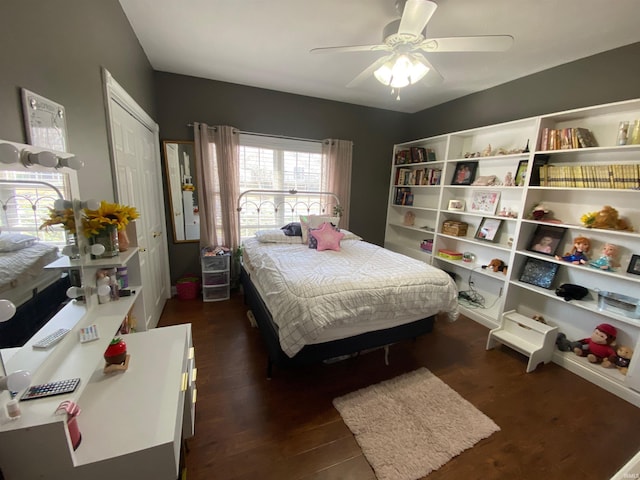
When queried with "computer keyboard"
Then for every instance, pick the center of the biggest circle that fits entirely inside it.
(51, 339)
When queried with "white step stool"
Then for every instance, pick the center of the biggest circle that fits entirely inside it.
(525, 335)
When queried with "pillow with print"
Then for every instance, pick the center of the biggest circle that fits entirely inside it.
(327, 236)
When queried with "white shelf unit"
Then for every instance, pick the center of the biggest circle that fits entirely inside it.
(504, 293)
(216, 280)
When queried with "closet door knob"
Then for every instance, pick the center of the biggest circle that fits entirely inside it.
(142, 249)
(156, 234)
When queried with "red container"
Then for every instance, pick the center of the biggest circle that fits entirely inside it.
(188, 287)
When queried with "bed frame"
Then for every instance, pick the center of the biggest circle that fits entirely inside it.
(322, 351)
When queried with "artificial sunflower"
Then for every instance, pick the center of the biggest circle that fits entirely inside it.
(588, 218)
(60, 217)
(94, 221)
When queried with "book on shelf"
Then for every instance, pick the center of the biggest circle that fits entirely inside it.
(567, 138)
(403, 157)
(418, 155)
(626, 176)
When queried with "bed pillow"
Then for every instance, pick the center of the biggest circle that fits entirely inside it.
(276, 236)
(293, 229)
(10, 242)
(314, 221)
(313, 242)
(327, 236)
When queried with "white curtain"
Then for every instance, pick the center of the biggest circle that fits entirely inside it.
(336, 156)
(218, 174)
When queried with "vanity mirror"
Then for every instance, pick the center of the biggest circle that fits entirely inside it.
(32, 180)
(180, 168)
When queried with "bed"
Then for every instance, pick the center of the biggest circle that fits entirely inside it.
(37, 292)
(319, 304)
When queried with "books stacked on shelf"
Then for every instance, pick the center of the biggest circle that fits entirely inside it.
(566, 138)
(403, 157)
(620, 176)
(415, 155)
(423, 176)
(403, 196)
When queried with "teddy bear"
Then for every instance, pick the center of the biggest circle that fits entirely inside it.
(621, 359)
(608, 218)
(598, 346)
(496, 265)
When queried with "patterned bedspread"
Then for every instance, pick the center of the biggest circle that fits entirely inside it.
(21, 267)
(308, 291)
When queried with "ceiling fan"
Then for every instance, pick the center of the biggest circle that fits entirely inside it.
(405, 42)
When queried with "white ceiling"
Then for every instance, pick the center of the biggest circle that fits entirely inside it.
(266, 43)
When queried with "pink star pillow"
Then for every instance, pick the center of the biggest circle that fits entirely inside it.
(328, 238)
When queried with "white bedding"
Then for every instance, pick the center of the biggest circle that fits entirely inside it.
(358, 289)
(21, 268)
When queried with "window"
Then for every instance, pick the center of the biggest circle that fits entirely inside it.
(279, 164)
(26, 205)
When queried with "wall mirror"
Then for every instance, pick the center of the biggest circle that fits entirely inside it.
(180, 167)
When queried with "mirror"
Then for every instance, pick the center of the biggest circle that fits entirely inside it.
(180, 169)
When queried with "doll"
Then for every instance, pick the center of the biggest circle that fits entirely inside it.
(578, 255)
(598, 346)
(609, 258)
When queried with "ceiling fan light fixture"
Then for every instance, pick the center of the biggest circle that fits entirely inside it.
(401, 71)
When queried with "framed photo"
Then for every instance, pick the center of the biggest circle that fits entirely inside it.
(465, 173)
(521, 173)
(546, 239)
(484, 201)
(539, 272)
(488, 229)
(634, 265)
(456, 205)
(45, 122)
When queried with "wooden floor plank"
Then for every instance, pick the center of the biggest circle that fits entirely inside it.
(554, 425)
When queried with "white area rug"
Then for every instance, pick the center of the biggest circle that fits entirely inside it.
(411, 425)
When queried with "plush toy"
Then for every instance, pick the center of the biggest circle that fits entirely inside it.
(598, 346)
(569, 291)
(565, 345)
(608, 218)
(578, 255)
(538, 212)
(609, 258)
(621, 359)
(496, 265)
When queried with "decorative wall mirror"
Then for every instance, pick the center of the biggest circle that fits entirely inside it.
(180, 166)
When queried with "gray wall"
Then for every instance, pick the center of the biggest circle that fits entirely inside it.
(56, 49)
(182, 100)
(607, 77)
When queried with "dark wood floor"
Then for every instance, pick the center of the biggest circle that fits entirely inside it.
(554, 425)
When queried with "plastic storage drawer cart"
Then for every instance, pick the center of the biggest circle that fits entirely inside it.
(215, 276)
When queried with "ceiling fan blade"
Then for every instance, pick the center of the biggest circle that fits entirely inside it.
(415, 16)
(368, 72)
(351, 48)
(480, 43)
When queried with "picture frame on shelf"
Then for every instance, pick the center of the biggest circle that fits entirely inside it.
(546, 239)
(456, 205)
(521, 173)
(634, 265)
(484, 201)
(539, 272)
(465, 173)
(488, 229)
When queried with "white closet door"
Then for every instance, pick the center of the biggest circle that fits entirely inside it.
(139, 183)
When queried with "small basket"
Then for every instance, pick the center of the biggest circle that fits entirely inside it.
(188, 287)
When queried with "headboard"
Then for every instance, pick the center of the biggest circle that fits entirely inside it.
(266, 209)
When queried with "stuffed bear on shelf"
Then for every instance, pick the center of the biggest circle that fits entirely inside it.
(621, 359)
(598, 346)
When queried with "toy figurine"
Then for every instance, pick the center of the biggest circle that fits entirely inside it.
(578, 255)
(508, 180)
(609, 259)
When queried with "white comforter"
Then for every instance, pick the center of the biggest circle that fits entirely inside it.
(21, 267)
(308, 291)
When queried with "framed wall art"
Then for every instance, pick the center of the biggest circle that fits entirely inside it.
(634, 265)
(465, 173)
(546, 239)
(484, 201)
(488, 229)
(456, 205)
(45, 122)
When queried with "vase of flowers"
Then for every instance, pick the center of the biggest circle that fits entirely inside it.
(67, 221)
(102, 226)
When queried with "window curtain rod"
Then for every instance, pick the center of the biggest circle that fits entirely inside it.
(271, 136)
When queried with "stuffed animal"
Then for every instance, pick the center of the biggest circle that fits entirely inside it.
(608, 218)
(496, 265)
(621, 359)
(568, 291)
(565, 345)
(598, 346)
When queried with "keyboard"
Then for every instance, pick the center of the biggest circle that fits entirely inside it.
(58, 387)
(51, 339)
